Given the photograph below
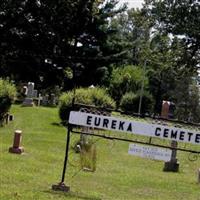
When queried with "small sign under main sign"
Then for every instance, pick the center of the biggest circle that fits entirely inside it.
(154, 153)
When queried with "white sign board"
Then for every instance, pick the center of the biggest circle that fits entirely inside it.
(134, 127)
(154, 153)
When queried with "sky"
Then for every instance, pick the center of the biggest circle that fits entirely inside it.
(133, 3)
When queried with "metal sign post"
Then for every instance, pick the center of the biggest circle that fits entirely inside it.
(61, 186)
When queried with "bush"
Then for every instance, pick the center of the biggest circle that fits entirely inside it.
(88, 96)
(7, 94)
(126, 79)
(130, 102)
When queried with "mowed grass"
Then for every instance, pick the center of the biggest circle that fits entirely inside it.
(118, 176)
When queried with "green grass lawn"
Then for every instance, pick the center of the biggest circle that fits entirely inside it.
(118, 176)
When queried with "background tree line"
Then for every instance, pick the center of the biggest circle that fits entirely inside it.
(48, 42)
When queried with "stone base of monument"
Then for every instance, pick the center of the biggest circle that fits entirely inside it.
(61, 187)
(171, 166)
(18, 150)
(28, 102)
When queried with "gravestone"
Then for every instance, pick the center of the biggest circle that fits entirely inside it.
(25, 90)
(28, 101)
(35, 93)
(16, 148)
(52, 100)
(173, 164)
(165, 109)
(168, 109)
(45, 100)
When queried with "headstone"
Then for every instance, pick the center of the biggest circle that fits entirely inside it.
(45, 100)
(30, 89)
(52, 100)
(28, 101)
(173, 164)
(25, 90)
(16, 143)
(35, 93)
(57, 90)
(165, 109)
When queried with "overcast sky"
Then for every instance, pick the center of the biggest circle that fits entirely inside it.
(133, 3)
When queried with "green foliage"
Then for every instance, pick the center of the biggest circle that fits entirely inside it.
(130, 102)
(7, 94)
(187, 100)
(162, 68)
(170, 14)
(126, 79)
(44, 38)
(178, 18)
(90, 96)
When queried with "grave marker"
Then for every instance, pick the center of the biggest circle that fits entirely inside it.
(16, 143)
(28, 101)
(45, 100)
(173, 164)
(165, 109)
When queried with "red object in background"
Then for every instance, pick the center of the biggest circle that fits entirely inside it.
(165, 109)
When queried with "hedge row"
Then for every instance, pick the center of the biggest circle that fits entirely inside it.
(90, 96)
(7, 94)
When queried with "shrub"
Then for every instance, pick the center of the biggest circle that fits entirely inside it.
(130, 102)
(89, 96)
(7, 94)
(126, 79)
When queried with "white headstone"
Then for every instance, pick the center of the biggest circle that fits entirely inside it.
(28, 101)
(30, 89)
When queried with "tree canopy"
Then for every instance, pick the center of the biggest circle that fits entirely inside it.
(41, 38)
(49, 42)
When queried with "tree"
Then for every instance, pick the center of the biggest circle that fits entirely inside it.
(126, 79)
(187, 100)
(40, 38)
(36, 36)
(7, 95)
(177, 20)
(96, 54)
(180, 18)
(133, 34)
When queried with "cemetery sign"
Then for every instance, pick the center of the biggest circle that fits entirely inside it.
(134, 127)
